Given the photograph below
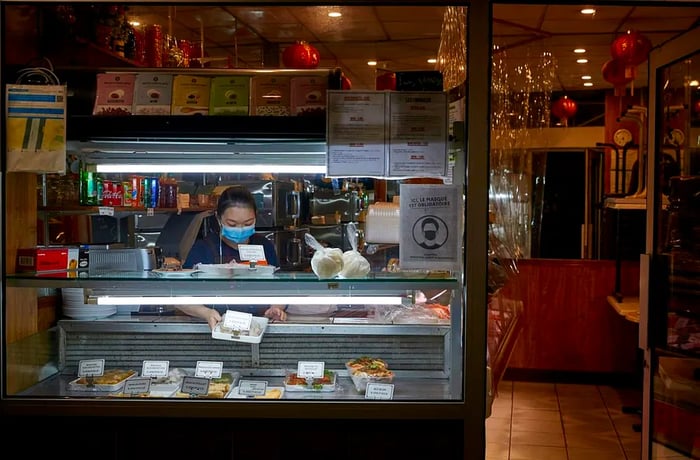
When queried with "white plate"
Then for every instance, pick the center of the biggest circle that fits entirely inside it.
(184, 273)
(233, 394)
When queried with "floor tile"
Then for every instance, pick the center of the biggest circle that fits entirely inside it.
(537, 438)
(604, 441)
(536, 425)
(498, 436)
(536, 414)
(633, 454)
(576, 453)
(537, 453)
(541, 402)
(496, 451)
(496, 423)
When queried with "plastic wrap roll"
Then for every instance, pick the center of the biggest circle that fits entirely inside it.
(382, 225)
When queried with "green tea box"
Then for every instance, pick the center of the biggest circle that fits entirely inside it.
(190, 95)
(230, 95)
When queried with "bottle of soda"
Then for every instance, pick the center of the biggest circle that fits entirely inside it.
(88, 188)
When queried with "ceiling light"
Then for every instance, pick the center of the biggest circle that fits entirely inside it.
(694, 83)
(585, 77)
(432, 61)
(335, 14)
(580, 50)
(135, 23)
(588, 83)
(371, 62)
(588, 11)
(581, 61)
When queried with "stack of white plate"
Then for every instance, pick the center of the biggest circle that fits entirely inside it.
(74, 306)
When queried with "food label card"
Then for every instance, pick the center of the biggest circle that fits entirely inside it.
(91, 367)
(137, 386)
(310, 369)
(237, 320)
(195, 385)
(152, 94)
(252, 387)
(379, 391)
(209, 369)
(155, 368)
(249, 252)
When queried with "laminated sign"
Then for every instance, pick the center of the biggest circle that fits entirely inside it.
(36, 128)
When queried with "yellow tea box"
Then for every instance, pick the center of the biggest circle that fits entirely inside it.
(152, 94)
(114, 94)
(308, 95)
(190, 95)
(269, 95)
(229, 95)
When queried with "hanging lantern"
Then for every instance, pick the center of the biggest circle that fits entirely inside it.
(387, 80)
(632, 49)
(301, 55)
(564, 108)
(696, 106)
(345, 83)
(614, 72)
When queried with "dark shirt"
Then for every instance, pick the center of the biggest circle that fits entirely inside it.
(206, 251)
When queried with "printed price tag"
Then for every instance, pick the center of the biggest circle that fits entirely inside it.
(91, 367)
(155, 368)
(251, 252)
(209, 369)
(252, 387)
(237, 320)
(195, 385)
(106, 210)
(150, 212)
(310, 368)
(379, 391)
(137, 385)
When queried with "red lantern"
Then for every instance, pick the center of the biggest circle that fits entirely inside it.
(345, 83)
(696, 106)
(632, 49)
(387, 80)
(614, 72)
(301, 55)
(564, 108)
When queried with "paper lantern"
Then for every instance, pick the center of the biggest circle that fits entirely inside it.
(614, 72)
(564, 108)
(345, 83)
(301, 55)
(386, 80)
(632, 49)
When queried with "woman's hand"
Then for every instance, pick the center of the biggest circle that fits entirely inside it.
(276, 312)
(210, 315)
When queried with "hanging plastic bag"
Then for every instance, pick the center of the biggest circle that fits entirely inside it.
(326, 262)
(354, 264)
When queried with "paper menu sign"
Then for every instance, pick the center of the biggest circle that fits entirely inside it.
(190, 95)
(152, 94)
(114, 94)
(237, 321)
(249, 252)
(155, 368)
(91, 367)
(252, 387)
(209, 369)
(310, 368)
(229, 95)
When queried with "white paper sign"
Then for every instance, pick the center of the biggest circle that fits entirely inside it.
(137, 385)
(379, 391)
(237, 320)
(195, 385)
(91, 367)
(155, 368)
(250, 252)
(106, 210)
(209, 369)
(430, 218)
(252, 387)
(310, 369)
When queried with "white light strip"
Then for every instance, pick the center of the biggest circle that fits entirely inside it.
(209, 168)
(223, 300)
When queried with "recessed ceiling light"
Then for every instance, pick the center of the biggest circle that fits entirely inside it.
(335, 14)
(581, 61)
(135, 23)
(588, 83)
(432, 61)
(371, 62)
(694, 83)
(585, 77)
(588, 11)
(580, 50)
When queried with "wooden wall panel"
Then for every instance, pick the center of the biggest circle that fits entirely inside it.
(568, 324)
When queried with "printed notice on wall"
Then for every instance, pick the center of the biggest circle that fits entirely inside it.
(430, 227)
(418, 134)
(356, 132)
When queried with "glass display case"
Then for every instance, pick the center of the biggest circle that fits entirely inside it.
(673, 341)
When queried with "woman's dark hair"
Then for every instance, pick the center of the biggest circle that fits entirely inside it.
(235, 197)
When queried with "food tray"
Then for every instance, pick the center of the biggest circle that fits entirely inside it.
(360, 371)
(257, 328)
(165, 390)
(270, 393)
(230, 270)
(122, 375)
(314, 386)
(218, 388)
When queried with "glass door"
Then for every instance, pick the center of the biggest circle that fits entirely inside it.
(672, 319)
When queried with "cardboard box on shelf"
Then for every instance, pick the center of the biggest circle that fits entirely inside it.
(42, 259)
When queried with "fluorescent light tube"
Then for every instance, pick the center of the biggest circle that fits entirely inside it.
(230, 300)
(208, 168)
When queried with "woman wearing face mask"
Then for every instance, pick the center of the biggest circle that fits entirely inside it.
(235, 212)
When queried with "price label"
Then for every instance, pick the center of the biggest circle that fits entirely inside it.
(379, 391)
(237, 320)
(209, 369)
(106, 210)
(92, 367)
(155, 368)
(137, 385)
(252, 387)
(310, 369)
(195, 385)
(250, 252)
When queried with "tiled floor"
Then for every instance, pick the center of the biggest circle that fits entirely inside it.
(547, 421)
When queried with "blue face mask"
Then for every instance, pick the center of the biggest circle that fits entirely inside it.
(237, 234)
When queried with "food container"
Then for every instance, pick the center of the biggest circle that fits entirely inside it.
(218, 387)
(366, 370)
(234, 269)
(270, 393)
(326, 384)
(112, 380)
(258, 326)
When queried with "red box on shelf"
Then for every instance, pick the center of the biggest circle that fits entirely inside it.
(42, 259)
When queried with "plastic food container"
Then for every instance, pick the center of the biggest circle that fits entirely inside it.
(326, 384)
(366, 370)
(270, 393)
(257, 328)
(112, 380)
